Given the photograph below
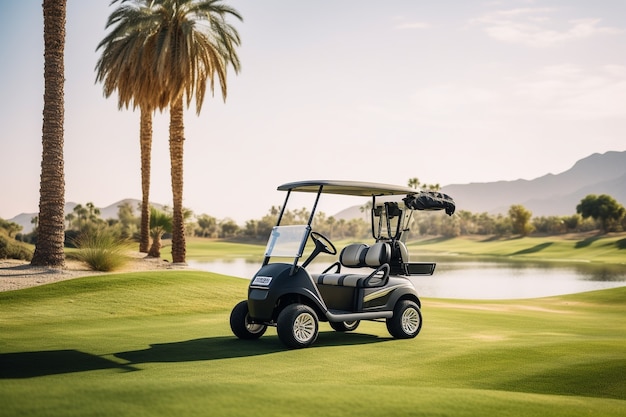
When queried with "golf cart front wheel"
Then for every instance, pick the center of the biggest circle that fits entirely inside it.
(241, 325)
(406, 322)
(297, 326)
(345, 326)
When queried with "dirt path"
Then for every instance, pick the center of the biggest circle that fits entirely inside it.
(15, 274)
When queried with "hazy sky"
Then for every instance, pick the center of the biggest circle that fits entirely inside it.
(449, 91)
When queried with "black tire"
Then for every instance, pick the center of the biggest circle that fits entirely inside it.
(240, 323)
(297, 326)
(406, 322)
(345, 326)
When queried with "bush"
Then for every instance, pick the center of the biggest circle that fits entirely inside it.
(71, 237)
(102, 250)
(12, 249)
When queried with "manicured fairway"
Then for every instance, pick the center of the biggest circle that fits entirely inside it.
(607, 249)
(159, 344)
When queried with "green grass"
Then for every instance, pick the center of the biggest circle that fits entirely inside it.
(203, 249)
(159, 344)
(580, 248)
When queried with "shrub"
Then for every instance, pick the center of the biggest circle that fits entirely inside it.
(71, 237)
(102, 250)
(12, 249)
(160, 224)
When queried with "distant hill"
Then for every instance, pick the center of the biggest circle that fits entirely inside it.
(549, 195)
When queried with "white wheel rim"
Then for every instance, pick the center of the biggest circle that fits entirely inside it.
(410, 320)
(304, 327)
(253, 327)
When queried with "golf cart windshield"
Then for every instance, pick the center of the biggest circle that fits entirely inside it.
(287, 241)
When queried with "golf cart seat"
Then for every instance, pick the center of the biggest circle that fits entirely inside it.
(359, 255)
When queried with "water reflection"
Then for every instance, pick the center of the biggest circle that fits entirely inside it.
(476, 278)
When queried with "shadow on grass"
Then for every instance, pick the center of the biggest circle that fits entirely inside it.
(621, 244)
(55, 362)
(213, 348)
(586, 242)
(493, 238)
(534, 249)
(52, 362)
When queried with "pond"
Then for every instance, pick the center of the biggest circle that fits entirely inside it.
(476, 278)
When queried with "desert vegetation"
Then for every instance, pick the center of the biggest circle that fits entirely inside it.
(101, 249)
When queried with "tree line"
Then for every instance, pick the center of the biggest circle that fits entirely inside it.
(602, 213)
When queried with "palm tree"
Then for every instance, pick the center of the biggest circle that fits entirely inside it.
(160, 223)
(201, 45)
(414, 183)
(125, 68)
(51, 226)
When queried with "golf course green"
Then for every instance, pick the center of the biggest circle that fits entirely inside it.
(159, 344)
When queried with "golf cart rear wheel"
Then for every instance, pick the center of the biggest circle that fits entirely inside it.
(241, 325)
(345, 326)
(297, 326)
(406, 322)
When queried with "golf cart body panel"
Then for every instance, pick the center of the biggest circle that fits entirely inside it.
(276, 281)
(368, 282)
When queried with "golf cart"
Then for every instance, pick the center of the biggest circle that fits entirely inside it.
(368, 282)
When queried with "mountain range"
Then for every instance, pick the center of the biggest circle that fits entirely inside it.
(549, 195)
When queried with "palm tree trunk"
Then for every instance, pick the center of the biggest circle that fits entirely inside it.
(146, 147)
(177, 138)
(51, 228)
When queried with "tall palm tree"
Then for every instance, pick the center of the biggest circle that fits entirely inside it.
(51, 227)
(125, 68)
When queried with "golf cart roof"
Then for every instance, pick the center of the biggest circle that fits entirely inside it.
(356, 188)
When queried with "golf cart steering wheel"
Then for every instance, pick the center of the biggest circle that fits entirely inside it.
(323, 244)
